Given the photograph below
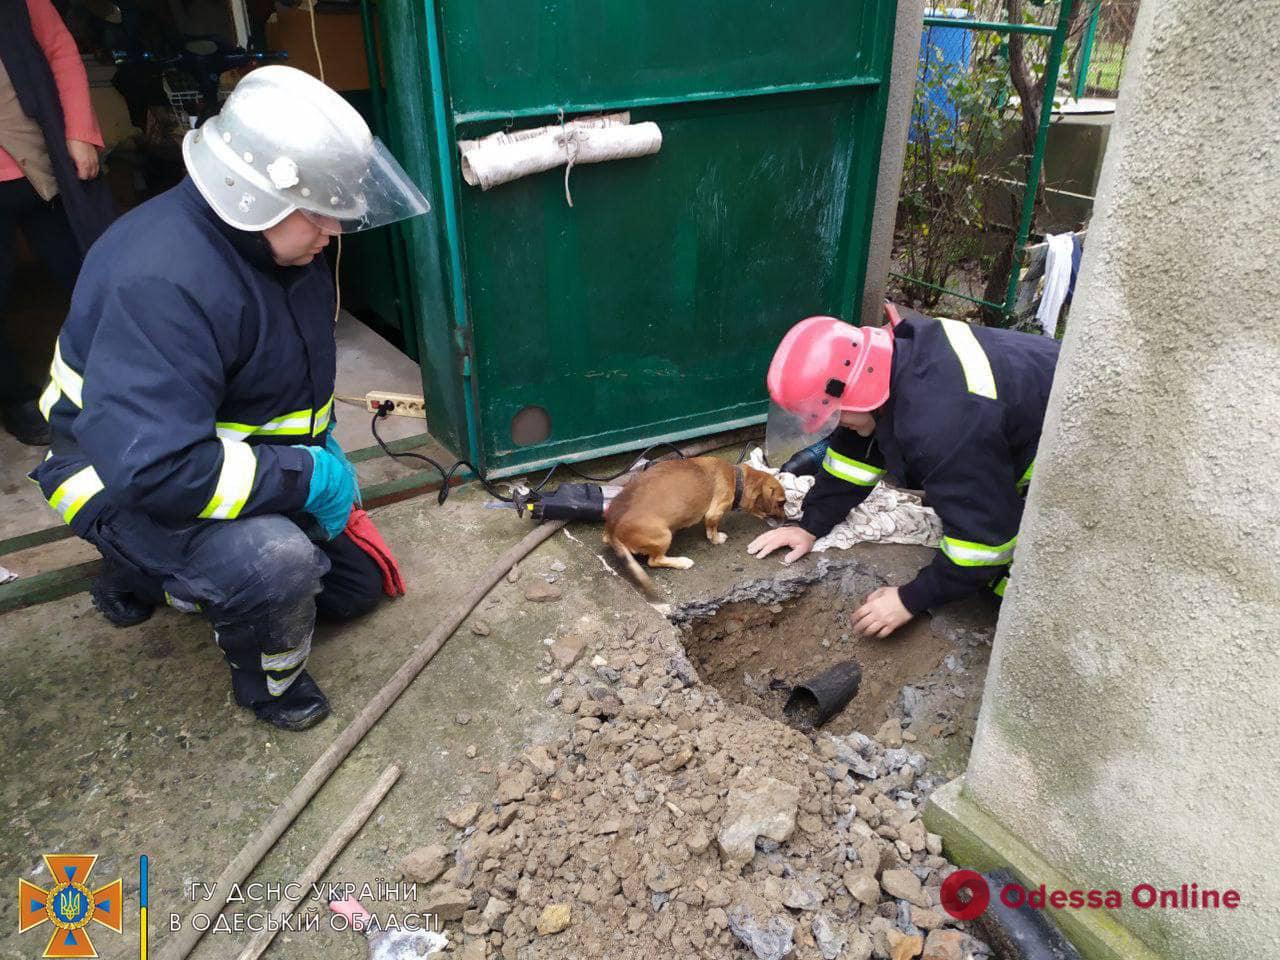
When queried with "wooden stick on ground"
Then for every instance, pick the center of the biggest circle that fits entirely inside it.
(238, 869)
(314, 870)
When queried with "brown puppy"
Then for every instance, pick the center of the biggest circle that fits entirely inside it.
(675, 494)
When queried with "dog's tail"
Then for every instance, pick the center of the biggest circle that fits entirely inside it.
(634, 571)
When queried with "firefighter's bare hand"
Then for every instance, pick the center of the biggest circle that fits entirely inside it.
(797, 540)
(85, 157)
(880, 614)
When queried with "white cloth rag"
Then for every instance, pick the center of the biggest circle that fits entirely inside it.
(1057, 281)
(509, 155)
(886, 516)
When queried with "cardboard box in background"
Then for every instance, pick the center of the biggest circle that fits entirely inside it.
(341, 44)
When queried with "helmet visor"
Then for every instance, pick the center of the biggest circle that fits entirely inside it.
(787, 433)
(364, 195)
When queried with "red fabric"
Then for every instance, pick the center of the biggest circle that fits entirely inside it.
(365, 535)
(68, 73)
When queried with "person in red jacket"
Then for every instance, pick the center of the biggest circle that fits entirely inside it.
(49, 143)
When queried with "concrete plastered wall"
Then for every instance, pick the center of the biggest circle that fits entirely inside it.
(1130, 731)
(893, 148)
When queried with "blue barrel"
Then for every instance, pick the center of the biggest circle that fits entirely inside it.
(944, 55)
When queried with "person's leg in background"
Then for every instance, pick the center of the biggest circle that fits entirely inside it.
(255, 580)
(17, 393)
(45, 227)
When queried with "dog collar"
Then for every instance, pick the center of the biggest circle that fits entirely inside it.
(739, 479)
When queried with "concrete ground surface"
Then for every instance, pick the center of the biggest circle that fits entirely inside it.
(126, 742)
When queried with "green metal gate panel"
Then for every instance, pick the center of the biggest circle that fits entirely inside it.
(649, 309)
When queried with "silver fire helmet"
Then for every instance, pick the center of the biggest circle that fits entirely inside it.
(283, 142)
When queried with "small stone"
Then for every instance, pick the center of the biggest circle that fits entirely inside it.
(862, 887)
(903, 946)
(555, 917)
(475, 949)
(801, 896)
(514, 787)
(859, 948)
(770, 940)
(471, 751)
(647, 755)
(446, 903)
(757, 806)
(678, 759)
(495, 912)
(514, 573)
(698, 839)
(462, 816)
(425, 864)
(539, 591)
(809, 823)
(462, 719)
(951, 945)
(903, 885)
(661, 878)
(890, 732)
(828, 936)
(481, 628)
(933, 843)
(927, 919)
(566, 649)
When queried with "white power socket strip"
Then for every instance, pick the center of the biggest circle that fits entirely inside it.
(406, 405)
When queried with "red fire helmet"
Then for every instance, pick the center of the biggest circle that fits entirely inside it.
(824, 365)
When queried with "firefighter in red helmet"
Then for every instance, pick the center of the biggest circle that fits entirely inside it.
(943, 406)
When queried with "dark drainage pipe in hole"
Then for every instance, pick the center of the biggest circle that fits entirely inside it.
(814, 702)
(1021, 933)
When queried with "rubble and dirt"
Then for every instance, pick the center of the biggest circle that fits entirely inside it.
(673, 821)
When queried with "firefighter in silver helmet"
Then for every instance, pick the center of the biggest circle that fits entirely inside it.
(191, 392)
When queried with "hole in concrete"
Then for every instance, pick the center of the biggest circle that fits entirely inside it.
(763, 637)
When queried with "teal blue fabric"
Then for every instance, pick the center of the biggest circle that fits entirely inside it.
(331, 444)
(332, 491)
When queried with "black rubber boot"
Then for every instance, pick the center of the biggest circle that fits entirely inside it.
(115, 600)
(26, 423)
(300, 707)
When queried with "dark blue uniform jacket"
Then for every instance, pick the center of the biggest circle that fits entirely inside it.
(966, 405)
(188, 367)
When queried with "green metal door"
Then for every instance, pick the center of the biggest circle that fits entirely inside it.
(649, 309)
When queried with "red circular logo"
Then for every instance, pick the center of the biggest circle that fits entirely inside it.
(961, 882)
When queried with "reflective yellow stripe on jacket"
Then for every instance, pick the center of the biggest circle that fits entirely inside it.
(75, 491)
(63, 382)
(297, 423)
(973, 359)
(854, 471)
(966, 553)
(235, 482)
